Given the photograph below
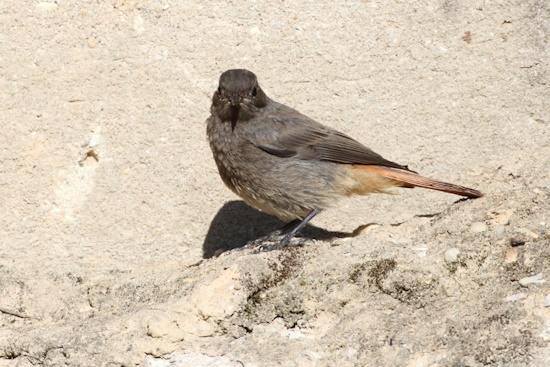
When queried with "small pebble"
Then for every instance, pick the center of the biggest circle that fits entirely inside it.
(478, 227)
(535, 279)
(499, 231)
(294, 334)
(515, 297)
(547, 301)
(93, 141)
(421, 251)
(511, 255)
(91, 42)
(451, 255)
(545, 335)
(500, 217)
(516, 241)
(528, 233)
(255, 31)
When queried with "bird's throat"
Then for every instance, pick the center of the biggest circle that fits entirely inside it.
(234, 116)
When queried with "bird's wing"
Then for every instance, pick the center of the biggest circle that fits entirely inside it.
(288, 133)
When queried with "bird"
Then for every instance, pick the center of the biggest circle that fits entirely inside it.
(286, 164)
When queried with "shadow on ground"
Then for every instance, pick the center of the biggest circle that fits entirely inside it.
(236, 223)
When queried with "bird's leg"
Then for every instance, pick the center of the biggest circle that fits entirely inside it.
(293, 228)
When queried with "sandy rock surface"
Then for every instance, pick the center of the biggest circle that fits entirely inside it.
(111, 207)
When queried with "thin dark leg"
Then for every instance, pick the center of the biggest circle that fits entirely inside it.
(284, 229)
(297, 228)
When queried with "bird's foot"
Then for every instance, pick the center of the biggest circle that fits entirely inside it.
(276, 245)
(275, 236)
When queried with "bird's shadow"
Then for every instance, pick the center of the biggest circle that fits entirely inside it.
(236, 223)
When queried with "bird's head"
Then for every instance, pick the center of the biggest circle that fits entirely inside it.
(239, 96)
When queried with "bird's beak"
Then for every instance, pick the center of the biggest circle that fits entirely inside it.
(235, 99)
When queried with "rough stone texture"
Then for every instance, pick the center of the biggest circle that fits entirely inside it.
(112, 208)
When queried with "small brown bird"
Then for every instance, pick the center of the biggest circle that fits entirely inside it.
(288, 165)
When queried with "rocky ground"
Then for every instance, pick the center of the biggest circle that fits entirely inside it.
(112, 208)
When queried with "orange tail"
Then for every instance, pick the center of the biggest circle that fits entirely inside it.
(409, 179)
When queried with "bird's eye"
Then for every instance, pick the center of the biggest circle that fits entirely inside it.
(254, 92)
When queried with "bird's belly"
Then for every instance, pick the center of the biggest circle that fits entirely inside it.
(289, 188)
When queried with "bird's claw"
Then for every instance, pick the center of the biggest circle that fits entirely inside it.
(295, 241)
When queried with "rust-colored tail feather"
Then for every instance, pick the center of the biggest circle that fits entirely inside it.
(409, 179)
